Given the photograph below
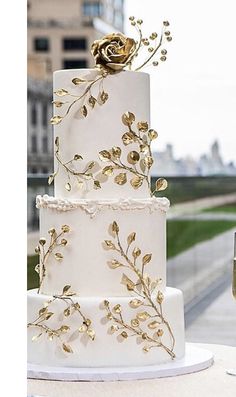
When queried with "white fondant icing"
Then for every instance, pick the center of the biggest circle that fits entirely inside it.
(105, 350)
(92, 207)
(84, 263)
(101, 129)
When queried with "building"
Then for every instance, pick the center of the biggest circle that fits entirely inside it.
(165, 164)
(60, 32)
(39, 130)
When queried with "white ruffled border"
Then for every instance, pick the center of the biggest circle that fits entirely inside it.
(92, 207)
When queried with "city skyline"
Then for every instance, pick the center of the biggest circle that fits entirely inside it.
(193, 93)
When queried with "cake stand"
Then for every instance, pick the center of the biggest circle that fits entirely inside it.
(195, 359)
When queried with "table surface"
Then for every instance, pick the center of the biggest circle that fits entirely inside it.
(211, 382)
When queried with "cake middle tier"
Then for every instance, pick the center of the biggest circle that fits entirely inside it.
(101, 246)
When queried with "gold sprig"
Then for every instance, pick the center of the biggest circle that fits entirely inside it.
(112, 54)
(148, 298)
(70, 168)
(87, 99)
(71, 307)
(152, 44)
(139, 161)
(56, 240)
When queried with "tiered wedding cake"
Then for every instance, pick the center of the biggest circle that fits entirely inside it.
(102, 299)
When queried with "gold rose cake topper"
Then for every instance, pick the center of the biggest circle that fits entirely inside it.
(113, 53)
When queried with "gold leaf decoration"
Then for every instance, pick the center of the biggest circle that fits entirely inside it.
(108, 170)
(152, 134)
(56, 120)
(115, 227)
(131, 237)
(136, 182)
(139, 161)
(67, 348)
(160, 297)
(113, 53)
(142, 126)
(143, 316)
(128, 118)
(128, 138)
(116, 152)
(117, 308)
(148, 161)
(133, 157)
(66, 289)
(127, 282)
(143, 287)
(121, 178)
(84, 111)
(58, 256)
(134, 303)
(109, 244)
(154, 324)
(104, 155)
(146, 259)
(161, 184)
(71, 170)
(135, 322)
(58, 104)
(61, 92)
(114, 264)
(51, 178)
(136, 252)
(96, 184)
(68, 186)
(78, 157)
(92, 101)
(91, 333)
(77, 81)
(56, 240)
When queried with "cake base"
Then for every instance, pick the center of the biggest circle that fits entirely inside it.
(195, 359)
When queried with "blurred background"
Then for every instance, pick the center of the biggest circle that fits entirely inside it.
(192, 107)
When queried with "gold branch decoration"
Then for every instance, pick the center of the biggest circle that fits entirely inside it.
(57, 240)
(112, 54)
(86, 99)
(139, 161)
(148, 323)
(72, 172)
(41, 323)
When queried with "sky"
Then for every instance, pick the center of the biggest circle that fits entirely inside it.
(193, 93)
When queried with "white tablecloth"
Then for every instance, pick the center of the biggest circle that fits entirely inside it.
(212, 382)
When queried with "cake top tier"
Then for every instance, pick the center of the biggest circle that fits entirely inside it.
(101, 122)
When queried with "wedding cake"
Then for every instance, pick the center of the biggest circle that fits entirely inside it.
(102, 299)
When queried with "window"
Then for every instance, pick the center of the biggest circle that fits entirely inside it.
(118, 3)
(34, 170)
(75, 43)
(41, 44)
(45, 144)
(93, 9)
(34, 144)
(118, 20)
(74, 63)
(44, 114)
(44, 170)
(33, 114)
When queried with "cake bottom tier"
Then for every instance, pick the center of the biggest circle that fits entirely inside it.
(63, 333)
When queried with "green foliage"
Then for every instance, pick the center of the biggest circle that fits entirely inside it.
(228, 208)
(182, 189)
(32, 276)
(183, 234)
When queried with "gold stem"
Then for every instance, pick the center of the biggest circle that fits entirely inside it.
(152, 54)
